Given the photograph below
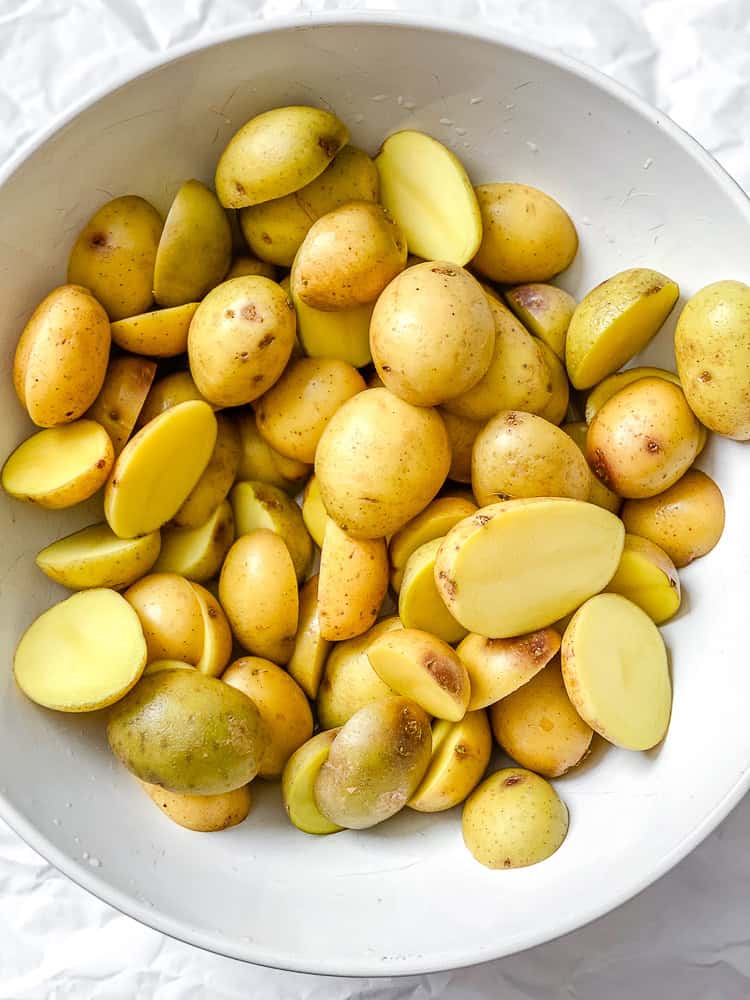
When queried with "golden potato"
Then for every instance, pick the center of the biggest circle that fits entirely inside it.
(114, 255)
(59, 467)
(294, 412)
(420, 605)
(344, 334)
(526, 235)
(368, 479)
(310, 648)
(202, 813)
(156, 665)
(259, 461)
(375, 764)
(460, 754)
(240, 340)
(615, 321)
(245, 264)
(277, 152)
(434, 521)
(197, 553)
(498, 667)
(166, 392)
(643, 439)
(313, 512)
(686, 521)
(195, 248)
(118, 405)
(432, 333)
(514, 819)
(556, 408)
(162, 333)
(352, 584)
(258, 591)
(96, 557)
(275, 229)
(61, 358)
(214, 484)
(348, 257)
(170, 617)
(283, 707)
(545, 310)
(523, 455)
(260, 505)
(462, 433)
(647, 577)
(612, 384)
(67, 659)
(712, 348)
(217, 635)
(298, 784)
(599, 494)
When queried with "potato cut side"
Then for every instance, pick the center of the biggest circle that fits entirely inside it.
(156, 665)
(259, 505)
(460, 755)
(217, 635)
(647, 577)
(217, 478)
(310, 648)
(497, 667)
(60, 467)
(344, 334)
(118, 405)
(82, 654)
(96, 557)
(313, 512)
(298, 784)
(435, 521)
(158, 468)
(419, 602)
(427, 191)
(197, 553)
(162, 333)
(521, 565)
(616, 672)
(613, 383)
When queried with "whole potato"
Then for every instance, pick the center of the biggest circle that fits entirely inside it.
(365, 464)
(545, 310)
(259, 461)
(240, 340)
(712, 348)
(170, 617)
(122, 397)
(527, 236)
(353, 583)
(114, 255)
(686, 520)
(348, 257)
(294, 412)
(612, 384)
(166, 392)
(643, 439)
(261, 505)
(462, 433)
(522, 455)
(432, 333)
(202, 813)
(61, 358)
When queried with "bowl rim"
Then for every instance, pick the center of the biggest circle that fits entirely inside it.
(251, 953)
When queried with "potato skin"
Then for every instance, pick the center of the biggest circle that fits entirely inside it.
(498, 667)
(122, 396)
(462, 433)
(170, 617)
(352, 584)
(545, 310)
(166, 392)
(202, 813)
(213, 486)
(61, 358)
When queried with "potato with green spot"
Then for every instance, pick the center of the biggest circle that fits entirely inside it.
(298, 784)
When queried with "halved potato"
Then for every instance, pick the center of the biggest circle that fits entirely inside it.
(313, 512)
(420, 604)
(545, 310)
(201, 813)
(310, 648)
(647, 577)
(118, 405)
(435, 521)
(217, 635)
(82, 654)
(298, 784)
(155, 666)
(498, 667)
(258, 460)
(460, 755)
(352, 584)
(162, 333)
(344, 334)
(168, 392)
(217, 478)
(607, 388)
(197, 553)
(96, 557)
(260, 505)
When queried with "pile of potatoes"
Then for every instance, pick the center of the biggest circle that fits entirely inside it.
(383, 336)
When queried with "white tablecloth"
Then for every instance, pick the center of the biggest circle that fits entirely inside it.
(685, 938)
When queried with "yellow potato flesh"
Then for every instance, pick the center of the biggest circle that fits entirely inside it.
(521, 565)
(344, 334)
(157, 469)
(82, 654)
(460, 754)
(434, 521)
(419, 602)
(613, 383)
(217, 635)
(162, 333)
(310, 648)
(96, 557)
(197, 553)
(157, 665)
(61, 466)
(122, 396)
(216, 480)
(616, 672)
(497, 667)
(202, 813)
(313, 512)
(261, 505)
(298, 783)
(647, 577)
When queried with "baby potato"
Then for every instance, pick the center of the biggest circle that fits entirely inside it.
(197, 553)
(523, 564)
(155, 473)
(214, 484)
(539, 728)
(283, 707)
(712, 348)
(643, 439)
(616, 672)
(275, 229)
(434, 521)
(162, 333)
(498, 667)
(612, 384)
(298, 784)
(344, 334)
(81, 654)
(313, 512)
(348, 257)
(375, 764)
(352, 584)
(170, 617)
(277, 152)
(615, 321)
(462, 433)
(647, 577)
(195, 248)
(349, 682)
(599, 494)
(686, 521)
(61, 357)
(217, 635)
(420, 605)
(526, 235)
(460, 755)
(96, 557)
(517, 378)
(258, 591)
(114, 255)
(118, 405)
(427, 191)
(556, 408)
(545, 310)
(240, 340)
(514, 819)
(187, 733)
(424, 668)
(368, 478)
(166, 392)
(523, 455)
(310, 648)
(201, 813)
(245, 264)
(260, 505)
(59, 467)
(432, 333)
(259, 461)
(294, 412)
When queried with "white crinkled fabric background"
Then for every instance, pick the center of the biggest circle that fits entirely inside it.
(686, 937)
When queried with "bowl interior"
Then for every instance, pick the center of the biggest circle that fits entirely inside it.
(404, 897)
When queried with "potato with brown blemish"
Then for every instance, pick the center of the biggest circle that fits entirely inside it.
(545, 310)
(123, 394)
(460, 754)
(352, 583)
(599, 494)
(261, 505)
(498, 667)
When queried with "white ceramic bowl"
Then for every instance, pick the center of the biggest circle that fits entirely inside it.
(405, 897)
